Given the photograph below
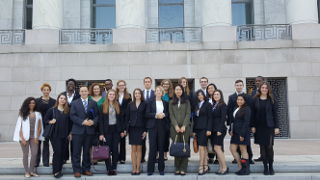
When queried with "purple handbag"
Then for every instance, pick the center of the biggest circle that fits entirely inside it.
(100, 152)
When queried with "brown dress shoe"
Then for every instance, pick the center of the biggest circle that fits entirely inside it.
(87, 173)
(77, 175)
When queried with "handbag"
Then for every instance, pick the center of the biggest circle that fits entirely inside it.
(48, 130)
(195, 144)
(180, 149)
(100, 152)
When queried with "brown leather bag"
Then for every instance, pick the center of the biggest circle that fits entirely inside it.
(195, 144)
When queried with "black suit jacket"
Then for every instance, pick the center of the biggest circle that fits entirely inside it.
(204, 120)
(271, 114)
(78, 115)
(123, 110)
(75, 97)
(135, 117)
(151, 113)
(232, 105)
(104, 123)
(219, 117)
(152, 96)
(241, 122)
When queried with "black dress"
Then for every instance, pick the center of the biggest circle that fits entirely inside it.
(240, 126)
(264, 130)
(202, 122)
(219, 116)
(136, 122)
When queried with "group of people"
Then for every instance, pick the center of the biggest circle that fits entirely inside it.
(79, 119)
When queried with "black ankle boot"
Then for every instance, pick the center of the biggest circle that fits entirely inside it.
(265, 168)
(271, 171)
(240, 172)
(245, 167)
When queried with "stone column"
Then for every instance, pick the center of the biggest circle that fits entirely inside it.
(217, 21)
(47, 20)
(130, 21)
(303, 15)
(299, 12)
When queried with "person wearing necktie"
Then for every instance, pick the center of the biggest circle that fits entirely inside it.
(84, 114)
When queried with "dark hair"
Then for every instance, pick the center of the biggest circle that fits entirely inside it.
(244, 98)
(182, 98)
(221, 94)
(73, 80)
(202, 93)
(24, 110)
(147, 78)
(269, 95)
(83, 86)
(261, 77)
(141, 92)
(211, 84)
(91, 89)
(108, 80)
(66, 106)
(238, 81)
(204, 78)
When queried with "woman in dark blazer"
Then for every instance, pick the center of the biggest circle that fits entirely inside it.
(219, 129)
(58, 118)
(202, 128)
(111, 129)
(265, 125)
(180, 110)
(240, 134)
(135, 117)
(157, 115)
(124, 98)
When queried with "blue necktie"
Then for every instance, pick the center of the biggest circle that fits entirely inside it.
(85, 104)
(148, 95)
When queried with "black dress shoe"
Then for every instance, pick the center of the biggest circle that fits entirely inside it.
(161, 173)
(259, 159)
(210, 161)
(234, 161)
(143, 160)
(46, 165)
(122, 162)
(150, 173)
(216, 161)
(58, 175)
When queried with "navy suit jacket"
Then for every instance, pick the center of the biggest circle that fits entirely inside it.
(152, 96)
(78, 115)
(151, 113)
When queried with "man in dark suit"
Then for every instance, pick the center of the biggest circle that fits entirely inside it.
(148, 95)
(258, 81)
(84, 115)
(232, 104)
(72, 94)
(107, 85)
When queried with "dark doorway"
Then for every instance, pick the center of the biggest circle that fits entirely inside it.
(280, 92)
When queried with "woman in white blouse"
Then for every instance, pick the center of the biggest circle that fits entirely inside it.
(28, 132)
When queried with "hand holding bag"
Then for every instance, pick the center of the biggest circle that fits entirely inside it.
(49, 128)
(100, 152)
(180, 149)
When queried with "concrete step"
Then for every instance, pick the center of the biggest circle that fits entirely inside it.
(280, 167)
(253, 176)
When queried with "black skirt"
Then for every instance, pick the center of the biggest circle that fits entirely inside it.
(235, 139)
(135, 135)
(264, 136)
(218, 140)
(201, 137)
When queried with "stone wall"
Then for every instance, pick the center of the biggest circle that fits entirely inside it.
(24, 68)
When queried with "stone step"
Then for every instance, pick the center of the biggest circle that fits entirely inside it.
(253, 176)
(281, 167)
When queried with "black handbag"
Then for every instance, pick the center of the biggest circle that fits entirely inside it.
(48, 130)
(180, 149)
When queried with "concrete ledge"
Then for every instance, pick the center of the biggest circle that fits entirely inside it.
(295, 167)
(285, 176)
(42, 36)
